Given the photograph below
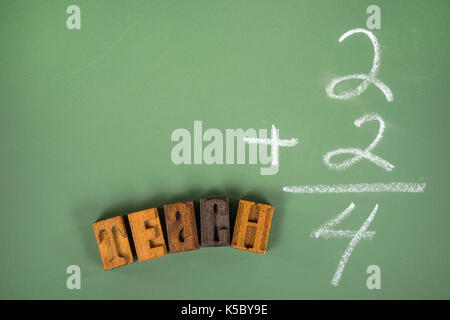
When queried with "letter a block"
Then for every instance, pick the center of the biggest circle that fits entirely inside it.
(251, 231)
(147, 234)
(113, 243)
(181, 226)
(215, 222)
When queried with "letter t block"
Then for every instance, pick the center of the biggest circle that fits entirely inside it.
(252, 227)
(113, 243)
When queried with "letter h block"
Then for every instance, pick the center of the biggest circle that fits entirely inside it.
(113, 243)
(252, 227)
(181, 226)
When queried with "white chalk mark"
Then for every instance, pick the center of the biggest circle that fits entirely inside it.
(360, 234)
(361, 154)
(274, 143)
(326, 232)
(367, 79)
(411, 187)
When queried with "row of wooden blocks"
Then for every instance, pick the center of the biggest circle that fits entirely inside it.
(251, 230)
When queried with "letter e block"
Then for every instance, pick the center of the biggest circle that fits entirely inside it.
(147, 234)
(252, 227)
(181, 226)
(113, 243)
(215, 222)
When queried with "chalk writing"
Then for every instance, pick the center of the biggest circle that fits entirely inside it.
(367, 78)
(358, 188)
(360, 154)
(325, 231)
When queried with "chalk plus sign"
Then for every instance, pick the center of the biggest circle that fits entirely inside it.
(274, 143)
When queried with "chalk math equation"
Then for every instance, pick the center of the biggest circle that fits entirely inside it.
(327, 230)
(181, 153)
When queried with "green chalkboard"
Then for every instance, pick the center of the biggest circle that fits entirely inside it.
(89, 111)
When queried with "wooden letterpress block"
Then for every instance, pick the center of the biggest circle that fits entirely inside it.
(251, 231)
(147, 234)
(181, 228)
(215, 222)
(113, 243)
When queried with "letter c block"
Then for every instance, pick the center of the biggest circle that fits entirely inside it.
(215, 222)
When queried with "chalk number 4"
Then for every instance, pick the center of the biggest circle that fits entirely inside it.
(326, 231)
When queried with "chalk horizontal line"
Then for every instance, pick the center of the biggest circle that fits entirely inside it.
(409, 187)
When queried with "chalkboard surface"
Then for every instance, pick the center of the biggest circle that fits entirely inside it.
(97, 110)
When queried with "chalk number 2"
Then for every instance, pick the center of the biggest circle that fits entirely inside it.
(360, 154)
(367, 78)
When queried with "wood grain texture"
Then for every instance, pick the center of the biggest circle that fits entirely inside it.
(113, 242)
(252, 227)
(147, 234)
(181, 226)
(214, 222)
